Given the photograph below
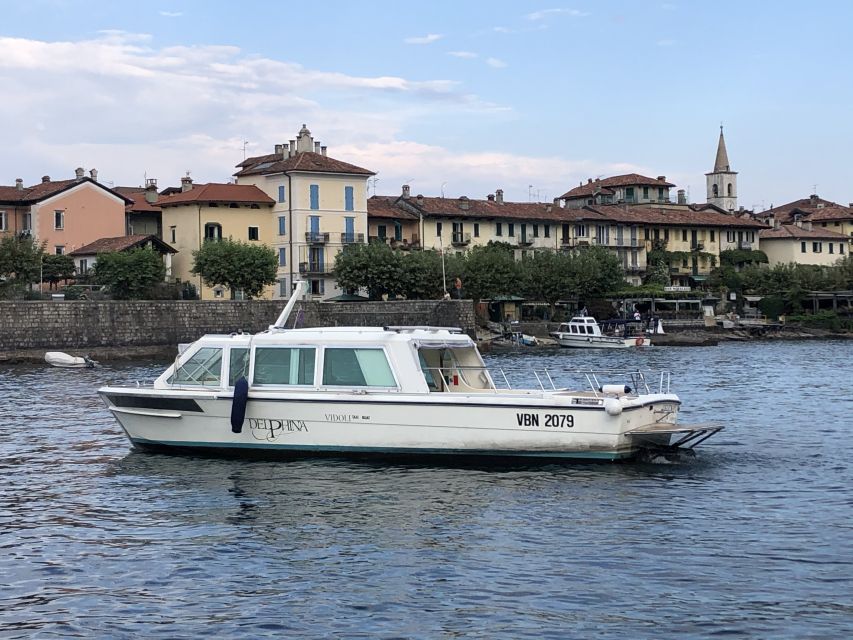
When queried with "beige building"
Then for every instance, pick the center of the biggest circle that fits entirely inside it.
(803, 243)
(319, 206)
(631, 188)
(820, 214)
(211, 212)
(458, 224)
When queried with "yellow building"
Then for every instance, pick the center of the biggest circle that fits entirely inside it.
(319, 206)
(812, 213)
(803, 243)
(211, 212)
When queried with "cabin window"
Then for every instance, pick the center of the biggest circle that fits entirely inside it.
(238, 366)
(277, 365)
(357, 368)
(202, 368)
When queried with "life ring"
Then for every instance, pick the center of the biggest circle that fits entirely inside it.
(639, 342)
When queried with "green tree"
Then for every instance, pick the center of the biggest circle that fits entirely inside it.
(240, 266)
(56, 268)
(545, 277)
(595, 271)
(657, 274)
(489, 271)
(130, 275)
(422, 279)
(20, 263)
(375, 267)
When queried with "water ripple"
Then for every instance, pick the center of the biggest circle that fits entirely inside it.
(752, 538)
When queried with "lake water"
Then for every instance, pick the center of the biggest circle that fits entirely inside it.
(751, 538)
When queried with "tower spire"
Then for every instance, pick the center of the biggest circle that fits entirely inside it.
(722, 161)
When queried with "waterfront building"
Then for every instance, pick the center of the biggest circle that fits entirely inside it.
(631, 188)
(459, 224)
(721, 183)
(392, 224)
(208, 213)
(64, 214)
(821, 214)
(86, 256)
(803, 243)
(693, 236)
(319, 207)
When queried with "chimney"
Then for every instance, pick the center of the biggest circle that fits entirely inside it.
(407, 190)
(316, 147)
(323, 149)
(499, 196)
(78, 173)
(45, 179)
(662, 178)
(186, 183)
(420, 199)
(151, 194)
(682, 198)
(93, 173)
(556, 202)
(19, 184)
(813, 198)
(463, 203)
(490, 197)
(589, 180)
(292, 151)
(279, 149)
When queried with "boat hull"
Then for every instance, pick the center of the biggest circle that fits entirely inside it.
(602, 342)
(475, 426)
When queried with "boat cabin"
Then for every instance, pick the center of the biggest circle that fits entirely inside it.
(390, 359)
(580, 326)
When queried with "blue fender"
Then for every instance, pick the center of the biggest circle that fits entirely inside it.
(238, 406)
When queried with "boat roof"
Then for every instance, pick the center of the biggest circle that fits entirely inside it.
(421, 336)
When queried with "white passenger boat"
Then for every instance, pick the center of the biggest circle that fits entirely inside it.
(400, 391)
(584, 332)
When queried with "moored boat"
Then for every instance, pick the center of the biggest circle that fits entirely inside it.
(583, 332)
(386, 390)
(66, 361)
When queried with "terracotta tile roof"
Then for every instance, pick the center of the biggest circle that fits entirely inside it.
(41, 191)
(307, 161)
(122, 243)
(792, 231)
(602, 185)
(452, 208)
(686, 217)
(216, 192)
(139, 204)
(384, 207)
(812, 209)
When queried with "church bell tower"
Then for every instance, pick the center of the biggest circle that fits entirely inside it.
(722, 181)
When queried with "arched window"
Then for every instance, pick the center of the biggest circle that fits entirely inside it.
(730, 189)
(213, 231)
(716, 191)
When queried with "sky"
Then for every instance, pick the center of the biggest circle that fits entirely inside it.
(452, 97)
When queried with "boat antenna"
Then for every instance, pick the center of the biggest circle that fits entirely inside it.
(300, 287)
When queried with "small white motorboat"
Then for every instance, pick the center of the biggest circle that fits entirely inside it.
(388, 391)
(59, 359)
(584, 332)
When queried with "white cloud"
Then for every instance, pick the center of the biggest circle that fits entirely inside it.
(427, 39)
(544, 13)
(462, 54)
(171, 14)
(120, 103)
(496, 63)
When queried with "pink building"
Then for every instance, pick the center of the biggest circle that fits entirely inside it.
(64, 214)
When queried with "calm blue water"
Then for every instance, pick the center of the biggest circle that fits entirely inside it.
(752, 538)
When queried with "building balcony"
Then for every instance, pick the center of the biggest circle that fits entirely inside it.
(314, 268)
(352, 238)
(746, 246)
(315, 237)
(626, 242)
(697, 246)
(525, 242)
(458, 239)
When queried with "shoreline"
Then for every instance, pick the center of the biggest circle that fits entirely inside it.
(686, 338)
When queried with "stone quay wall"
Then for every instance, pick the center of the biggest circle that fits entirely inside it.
(84, 324)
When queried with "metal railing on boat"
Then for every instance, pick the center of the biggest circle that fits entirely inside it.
(544, 379)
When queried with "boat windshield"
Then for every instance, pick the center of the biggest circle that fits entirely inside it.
(202, 368)
(456, 370)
